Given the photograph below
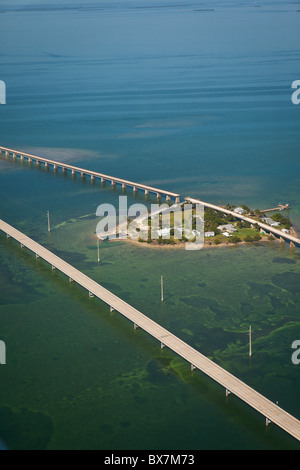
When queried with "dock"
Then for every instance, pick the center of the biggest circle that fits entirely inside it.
(267, 228)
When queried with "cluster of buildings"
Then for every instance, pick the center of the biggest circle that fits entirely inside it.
(228, 229)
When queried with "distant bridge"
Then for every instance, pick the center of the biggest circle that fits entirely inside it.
(93, 174)
(147, 189)
(271, 412)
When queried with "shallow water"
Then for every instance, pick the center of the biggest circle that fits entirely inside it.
(194, 101)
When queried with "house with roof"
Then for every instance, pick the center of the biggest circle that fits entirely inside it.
(209, 234)
(270, 222)
(227, 228)
(240, 210)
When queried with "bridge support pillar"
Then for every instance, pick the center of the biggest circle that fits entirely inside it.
(22, 158)
(91, 295)
(36, 256)
(64, 170)
(55, 167)
(168, 199)
(82, 175)
(70, 280)
(135, 326)
(177, 200)
(162, 345)
(281, 240)
(6, 153)
(102, 180)
(14, 156)
(292, 245)
(73, 172)
(29, 160)
(146, 192)
(134, 189)
(193, 367)
(268, 422)
(92, 178)
(123, 186)
(158, 196)
(111, 309)
(113, 184)
(228, 392)
(38, 162)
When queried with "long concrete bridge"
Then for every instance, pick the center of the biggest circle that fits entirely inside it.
(64, 167)
(271, 411)
(282, 235)
(147, 189)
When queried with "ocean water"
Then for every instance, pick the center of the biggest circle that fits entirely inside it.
(194, 97)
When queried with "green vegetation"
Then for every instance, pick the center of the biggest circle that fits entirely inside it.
(284, 221)
(242, 231)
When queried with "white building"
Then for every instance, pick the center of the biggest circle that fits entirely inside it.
(226, 234)
(209, 234)
(270, 222)
(163, 232)
(240, 210)
(227, 228)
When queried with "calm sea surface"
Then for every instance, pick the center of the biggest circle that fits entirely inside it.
(194, 97)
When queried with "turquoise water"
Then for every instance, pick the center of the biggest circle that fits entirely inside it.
(194, 101)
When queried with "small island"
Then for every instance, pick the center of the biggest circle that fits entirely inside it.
(220, 229)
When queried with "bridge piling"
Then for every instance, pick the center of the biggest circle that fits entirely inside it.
(269, 410)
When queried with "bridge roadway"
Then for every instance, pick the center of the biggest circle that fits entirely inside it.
(93, 174)
(268, 409)
(268, 228)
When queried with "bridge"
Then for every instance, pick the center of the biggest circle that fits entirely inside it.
(92, 174)
(282, 235)
(147, 189)
(272, 412)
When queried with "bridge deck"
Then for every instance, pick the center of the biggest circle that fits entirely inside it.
(92, 173)
(257, 401)
(277, 232)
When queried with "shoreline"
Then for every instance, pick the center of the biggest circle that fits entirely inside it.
(209, 242)
(181, 244)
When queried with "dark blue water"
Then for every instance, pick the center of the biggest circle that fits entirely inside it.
(194, 97)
